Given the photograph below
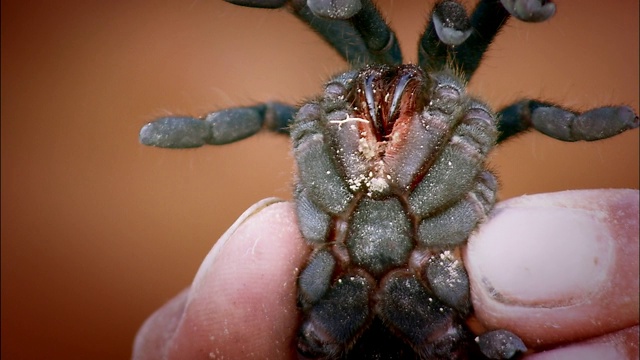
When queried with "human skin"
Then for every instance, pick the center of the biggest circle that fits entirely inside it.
(560, 270)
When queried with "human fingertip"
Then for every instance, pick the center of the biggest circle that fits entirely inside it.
(555, 256)
(238, 305)
(552, 265)
(222, 241)
(242, 303)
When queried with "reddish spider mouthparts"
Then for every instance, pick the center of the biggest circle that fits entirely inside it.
(390, 124)
(386, 95)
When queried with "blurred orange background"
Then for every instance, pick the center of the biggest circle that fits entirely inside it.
(98, 231)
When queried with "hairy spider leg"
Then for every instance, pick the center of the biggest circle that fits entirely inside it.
(563, 124)
(217, 128)
(468, 41)
(379, 39)
(452, 39)
(340, 34)
(330, 22)
(234, 124)
(435, 53)
(354, 28)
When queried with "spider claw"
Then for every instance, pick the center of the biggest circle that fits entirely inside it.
(451, 22)
(500, 344)
(530, 10)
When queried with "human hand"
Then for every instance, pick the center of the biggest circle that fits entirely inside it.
(553, 268)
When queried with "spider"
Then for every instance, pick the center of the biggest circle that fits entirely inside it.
(392, 176)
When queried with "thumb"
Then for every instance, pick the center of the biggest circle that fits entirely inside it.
(560, 267)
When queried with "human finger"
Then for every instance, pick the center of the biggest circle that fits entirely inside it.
(242, 303)
(558, 267)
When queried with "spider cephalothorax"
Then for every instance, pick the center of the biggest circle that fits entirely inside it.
(391, 177)
(400, 154)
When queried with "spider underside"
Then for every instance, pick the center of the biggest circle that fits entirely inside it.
(391, 176)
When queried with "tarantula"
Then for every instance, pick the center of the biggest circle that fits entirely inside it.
(391, 176)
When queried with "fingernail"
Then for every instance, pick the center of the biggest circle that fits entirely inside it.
(219, 245)
(545, 255)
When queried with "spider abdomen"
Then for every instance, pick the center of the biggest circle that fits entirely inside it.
(402, 158)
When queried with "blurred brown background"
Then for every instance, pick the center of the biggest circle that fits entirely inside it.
(98, 231)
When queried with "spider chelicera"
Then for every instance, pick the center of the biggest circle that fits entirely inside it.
(391, 176)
